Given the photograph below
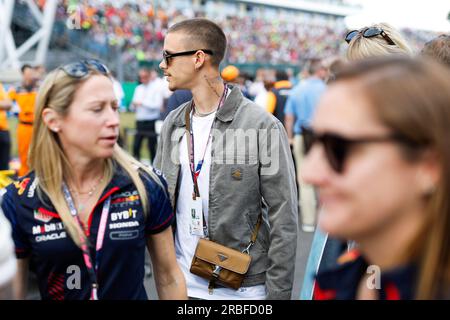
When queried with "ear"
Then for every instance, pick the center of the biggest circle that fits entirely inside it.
(51, 119)
(429, 172)
(199, 59)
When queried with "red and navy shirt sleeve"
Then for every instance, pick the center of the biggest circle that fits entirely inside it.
(161, 214)
(12, 212)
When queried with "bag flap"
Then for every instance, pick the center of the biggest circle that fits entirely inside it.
(225, 257)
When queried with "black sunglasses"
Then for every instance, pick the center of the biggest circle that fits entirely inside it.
(337, 147)
(81, 68)
(167, 55)
(369, 33)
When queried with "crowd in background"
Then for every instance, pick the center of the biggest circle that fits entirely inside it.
(137, 30)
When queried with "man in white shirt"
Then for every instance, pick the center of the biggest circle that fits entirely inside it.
(148, 101)
(224, 186)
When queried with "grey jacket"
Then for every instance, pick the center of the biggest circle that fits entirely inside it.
(251, 172)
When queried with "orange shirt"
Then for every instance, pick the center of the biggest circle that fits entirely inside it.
(26, 100)
(3, 118)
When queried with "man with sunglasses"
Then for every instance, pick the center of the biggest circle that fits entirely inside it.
(229, 160)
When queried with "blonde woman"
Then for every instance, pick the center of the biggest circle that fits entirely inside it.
(380, 160)
(87, 211)
(380, 39)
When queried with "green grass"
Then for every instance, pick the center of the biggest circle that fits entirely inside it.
(127, 120)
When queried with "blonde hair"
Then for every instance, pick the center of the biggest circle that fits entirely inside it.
(50, 164)
(362, 48)
(422, 118)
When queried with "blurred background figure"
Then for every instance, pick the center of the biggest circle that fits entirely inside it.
(268, 80)
(380, 160)
(177, 98)
(438, 49)
(380, 39)
(148, 102)
(24, 95)
(118, 90)
(278, 95)
(300, 107)
(39, 73)
(334, 65)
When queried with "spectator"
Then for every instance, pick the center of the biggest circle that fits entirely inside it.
(25, 97)
(148, 101)
(438, 49)
(377, 40)
(177, 99)
(279, 95)
(299, 110)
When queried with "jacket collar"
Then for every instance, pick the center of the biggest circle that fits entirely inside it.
(225, 113)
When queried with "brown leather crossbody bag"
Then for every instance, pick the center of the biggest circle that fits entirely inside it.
(220, 264)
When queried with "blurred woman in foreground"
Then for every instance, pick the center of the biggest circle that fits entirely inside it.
(379, 155)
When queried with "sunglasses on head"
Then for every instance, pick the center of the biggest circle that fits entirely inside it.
(369, 33)
(337, 147)
(81, 68)
(167, 56)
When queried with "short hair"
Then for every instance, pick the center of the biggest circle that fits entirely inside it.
(25, 66)
(205, 34)
(281, 75)
(438, 49)
(315, 65)
(362, 48)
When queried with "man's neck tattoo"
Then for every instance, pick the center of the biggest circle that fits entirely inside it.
(208, 81)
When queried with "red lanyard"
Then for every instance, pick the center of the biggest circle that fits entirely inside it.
(92, 269)
(195, 171)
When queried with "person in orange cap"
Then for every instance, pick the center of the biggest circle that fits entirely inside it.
(25, 97)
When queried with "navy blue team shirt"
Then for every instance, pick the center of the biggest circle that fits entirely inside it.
(39, 234)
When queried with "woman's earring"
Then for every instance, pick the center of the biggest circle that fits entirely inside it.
(55, 129)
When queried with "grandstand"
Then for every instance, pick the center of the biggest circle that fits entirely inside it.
(127, 33)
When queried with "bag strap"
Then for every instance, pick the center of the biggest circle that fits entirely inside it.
(254, 235)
